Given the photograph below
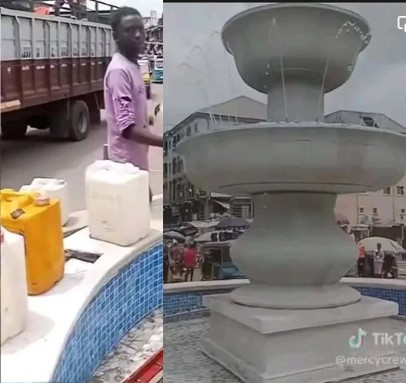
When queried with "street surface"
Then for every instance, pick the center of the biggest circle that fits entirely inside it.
(39, 156)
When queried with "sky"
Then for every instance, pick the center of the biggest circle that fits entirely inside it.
(199, 72)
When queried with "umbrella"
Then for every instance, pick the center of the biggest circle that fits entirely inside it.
(174, 235)
(206, 237)
(388, 245)
(204, 224)
(232, 222)
(186, 230)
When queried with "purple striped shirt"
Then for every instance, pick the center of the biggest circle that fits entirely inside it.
(126, 103)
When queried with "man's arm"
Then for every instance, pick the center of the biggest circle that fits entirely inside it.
(120, 87)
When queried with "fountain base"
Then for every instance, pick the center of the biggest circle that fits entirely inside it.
(295, 297)
(288, 346)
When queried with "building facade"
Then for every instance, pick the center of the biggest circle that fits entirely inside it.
(185, 202)
(382, 208)
(182, 200)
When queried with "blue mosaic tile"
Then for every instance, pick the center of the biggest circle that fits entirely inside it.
(176, 304)
(119, 305)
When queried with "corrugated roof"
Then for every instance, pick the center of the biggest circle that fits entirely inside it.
(377, 120)
(242, 106)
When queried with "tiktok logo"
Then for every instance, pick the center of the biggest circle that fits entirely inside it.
(355, 341)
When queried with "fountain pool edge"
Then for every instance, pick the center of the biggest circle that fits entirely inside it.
(72, 327)
(185, 300)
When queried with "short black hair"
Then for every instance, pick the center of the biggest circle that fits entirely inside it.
(120, 13)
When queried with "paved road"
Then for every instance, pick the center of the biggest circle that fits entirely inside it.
(39, 156)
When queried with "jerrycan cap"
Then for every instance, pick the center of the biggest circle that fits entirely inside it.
(41, 200)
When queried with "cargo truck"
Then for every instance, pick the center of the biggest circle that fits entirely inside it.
(52, 71)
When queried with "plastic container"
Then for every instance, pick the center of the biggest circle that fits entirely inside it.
(117, 199)
(14, 303)
(38, 219)
(52, 188)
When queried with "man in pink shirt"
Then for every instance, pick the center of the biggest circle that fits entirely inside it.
(125, 98)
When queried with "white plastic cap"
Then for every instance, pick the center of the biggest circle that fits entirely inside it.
(130, 168)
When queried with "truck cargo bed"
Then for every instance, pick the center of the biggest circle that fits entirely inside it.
(47, 58)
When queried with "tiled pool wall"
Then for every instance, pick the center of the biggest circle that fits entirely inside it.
(119, 305)
(187, 305)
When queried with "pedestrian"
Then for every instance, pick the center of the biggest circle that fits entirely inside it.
(75, 9)
(176, 260)
(166, 264)
(129, 136)
(378, 260)
(361, 261)
(190, 261)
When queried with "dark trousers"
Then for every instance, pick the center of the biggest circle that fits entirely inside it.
(189, 273)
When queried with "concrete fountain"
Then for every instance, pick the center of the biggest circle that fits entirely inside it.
(294, 319)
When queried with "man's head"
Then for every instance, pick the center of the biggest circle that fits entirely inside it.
(128, 31)
(379, 246)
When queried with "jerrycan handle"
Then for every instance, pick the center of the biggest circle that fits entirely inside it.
(22, 198)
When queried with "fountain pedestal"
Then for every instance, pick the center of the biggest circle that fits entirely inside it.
(291, 346)
(293, 323)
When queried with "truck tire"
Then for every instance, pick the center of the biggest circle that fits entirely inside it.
(13, 130)
(79, 123)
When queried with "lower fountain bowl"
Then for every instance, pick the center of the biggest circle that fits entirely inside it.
(271, 157)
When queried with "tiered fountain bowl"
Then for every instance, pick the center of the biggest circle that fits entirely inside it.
(294, 165)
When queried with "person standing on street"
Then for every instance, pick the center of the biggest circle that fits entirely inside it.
(190, 261)
(125, 98)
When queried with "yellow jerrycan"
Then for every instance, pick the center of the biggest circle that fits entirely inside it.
(38, 220)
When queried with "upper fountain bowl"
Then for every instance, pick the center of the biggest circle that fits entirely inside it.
(301, 39)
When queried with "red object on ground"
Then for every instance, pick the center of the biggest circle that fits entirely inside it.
(149, 370)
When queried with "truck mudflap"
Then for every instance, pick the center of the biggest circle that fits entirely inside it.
(70, 120)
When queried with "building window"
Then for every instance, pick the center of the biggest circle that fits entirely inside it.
(196, 128)
(165, 170)
(361, 210)
(400, 190)
(369, 121)
(375, 210)
(387, 191)
(402, 211)
(188, 131)
(174, 167)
